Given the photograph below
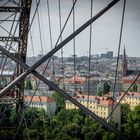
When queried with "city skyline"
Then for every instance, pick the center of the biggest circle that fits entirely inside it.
(105, 31)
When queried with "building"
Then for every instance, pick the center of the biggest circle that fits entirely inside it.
(38, 93)
(131, 98)
(103, 55)
(82, 84)
(101, 106)
(6, 78)
(91, 87)
(110, 55)
(75, 83)
(41, 102)
(125, 71)
(127, 82)
(36, 83)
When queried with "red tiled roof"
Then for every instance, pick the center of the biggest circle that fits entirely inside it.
(39, 99)
(105, 101)
(127, 81)
(133, 94)
(76, 79)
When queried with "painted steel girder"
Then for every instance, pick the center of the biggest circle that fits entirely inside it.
(10, 9)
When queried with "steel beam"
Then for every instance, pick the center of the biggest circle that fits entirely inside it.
(24, 22)
(10, 9)
(24, 12)
(14, 54)
(6, 39)
(8, 100)
(8, 20)
(65, 95)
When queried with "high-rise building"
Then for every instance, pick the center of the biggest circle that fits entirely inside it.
(103, 55)
(110, 54)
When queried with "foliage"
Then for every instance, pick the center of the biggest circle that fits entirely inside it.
(5, 113)
(70, 125)
(5, 121)
(106, 88)
(100, 93)
(132, 126)
(60, 101)
(125, 110)
(27, 84)
(109, 136)
(134, 88)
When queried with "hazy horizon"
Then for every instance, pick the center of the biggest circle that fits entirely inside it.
(105, 31)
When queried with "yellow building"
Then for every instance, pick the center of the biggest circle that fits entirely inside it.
(131, 98)
(101, 106)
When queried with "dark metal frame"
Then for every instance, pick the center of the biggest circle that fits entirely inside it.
(24, 11)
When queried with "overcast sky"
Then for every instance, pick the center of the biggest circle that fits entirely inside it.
(105, 32)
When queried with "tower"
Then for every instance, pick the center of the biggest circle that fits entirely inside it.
(14, 37)
(124, 64)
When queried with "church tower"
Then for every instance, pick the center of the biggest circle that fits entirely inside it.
(124, 64)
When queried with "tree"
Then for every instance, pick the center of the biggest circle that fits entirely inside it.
(109, 136)
(89, 128)
(28, 84)
(125, 110)
(106, 88)
(132, 126)
(5, 121)
(36, 123)
(60, 101)
(134, 88)
(100, 93)
(5, 113)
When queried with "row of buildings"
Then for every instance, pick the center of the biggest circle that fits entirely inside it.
(100, 105)
(79, 83)
(103, 105)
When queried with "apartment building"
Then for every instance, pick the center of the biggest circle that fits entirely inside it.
(131, 98)
(101, 106)
(40, 102)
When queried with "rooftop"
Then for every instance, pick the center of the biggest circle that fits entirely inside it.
(104, 101)
(46, 99)
(76, 79)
